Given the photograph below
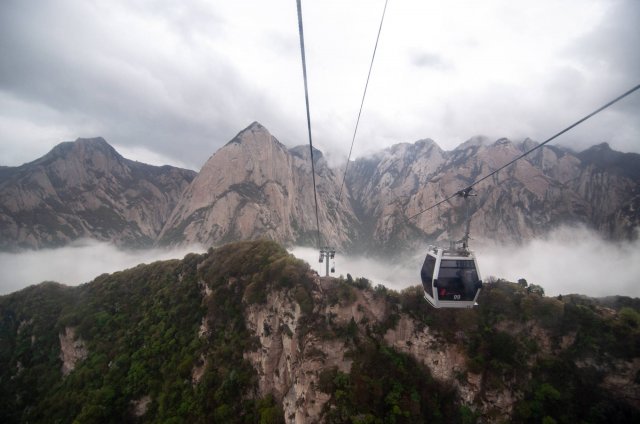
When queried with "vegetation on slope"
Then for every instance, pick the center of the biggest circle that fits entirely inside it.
(557, 352)
(141, 329)
(166, 343)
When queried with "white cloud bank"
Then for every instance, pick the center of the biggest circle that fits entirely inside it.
(76, 264)
(397, 275)
(569, 260)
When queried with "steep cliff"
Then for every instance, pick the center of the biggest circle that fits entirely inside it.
(551, 187)
(85, 189)
(254, 187)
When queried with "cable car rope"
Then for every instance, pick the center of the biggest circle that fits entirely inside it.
(306, 98)
(364, 94)
(468, 188)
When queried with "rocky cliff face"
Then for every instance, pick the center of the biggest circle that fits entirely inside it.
(85, 189)
(255, 187)
(72, 350)
(551, 187)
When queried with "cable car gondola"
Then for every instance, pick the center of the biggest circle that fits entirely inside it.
(451, 278)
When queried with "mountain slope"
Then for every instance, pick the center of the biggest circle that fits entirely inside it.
(527, 199)
(255, 187)
(247, 333)
(85, 189)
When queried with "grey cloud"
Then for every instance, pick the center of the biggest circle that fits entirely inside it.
(156, 75)
(430, 60)
(183, 101)
(612, 45)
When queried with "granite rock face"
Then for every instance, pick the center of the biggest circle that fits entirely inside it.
(255, 187)
(85, 189)
(549, 188)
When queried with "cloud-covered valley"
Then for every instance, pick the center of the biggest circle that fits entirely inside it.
(568, 260)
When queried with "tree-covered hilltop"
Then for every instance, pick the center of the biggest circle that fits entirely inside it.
(247, 333)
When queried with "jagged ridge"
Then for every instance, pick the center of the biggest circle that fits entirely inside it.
(85, 189)
(254, 187)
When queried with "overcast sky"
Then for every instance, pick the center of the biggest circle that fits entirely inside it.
(172, 81)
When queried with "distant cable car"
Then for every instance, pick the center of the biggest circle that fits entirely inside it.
(451, 278)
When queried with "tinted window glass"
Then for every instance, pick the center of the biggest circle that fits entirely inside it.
(427, 273)
(457, 280)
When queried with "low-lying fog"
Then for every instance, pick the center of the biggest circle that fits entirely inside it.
(78, 263)
(570, 260)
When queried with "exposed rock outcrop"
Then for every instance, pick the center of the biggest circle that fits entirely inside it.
(254, 187)
(85, 189)
(140, 406)
(551, 187)
(72, 350)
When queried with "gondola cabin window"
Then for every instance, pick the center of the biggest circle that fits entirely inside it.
(457, 280)
(450, 278)
(427, 274)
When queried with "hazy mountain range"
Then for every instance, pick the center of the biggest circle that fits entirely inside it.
(85, 189)
(255, 187)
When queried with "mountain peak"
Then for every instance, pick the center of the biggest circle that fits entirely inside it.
(602, 147)
(255, 131)
(92, 141)
(82, 148)
(255, 125)
(604, 157)
(476, 141)
(85, 189)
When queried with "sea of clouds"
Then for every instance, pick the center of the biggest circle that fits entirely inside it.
(77, 263)
(568, 260)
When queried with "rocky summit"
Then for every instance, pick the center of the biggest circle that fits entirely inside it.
(255, 187)
(85, 189)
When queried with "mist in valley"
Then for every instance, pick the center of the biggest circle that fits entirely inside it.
(568, 260)
(78, 263)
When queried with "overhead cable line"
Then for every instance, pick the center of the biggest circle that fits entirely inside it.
(355, 131)
(467, 189)
(306, 98)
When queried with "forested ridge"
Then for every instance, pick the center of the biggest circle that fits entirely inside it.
(176, 341)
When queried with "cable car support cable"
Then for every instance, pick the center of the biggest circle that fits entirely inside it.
(364, 94)
(306, 98)
(465, 191)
